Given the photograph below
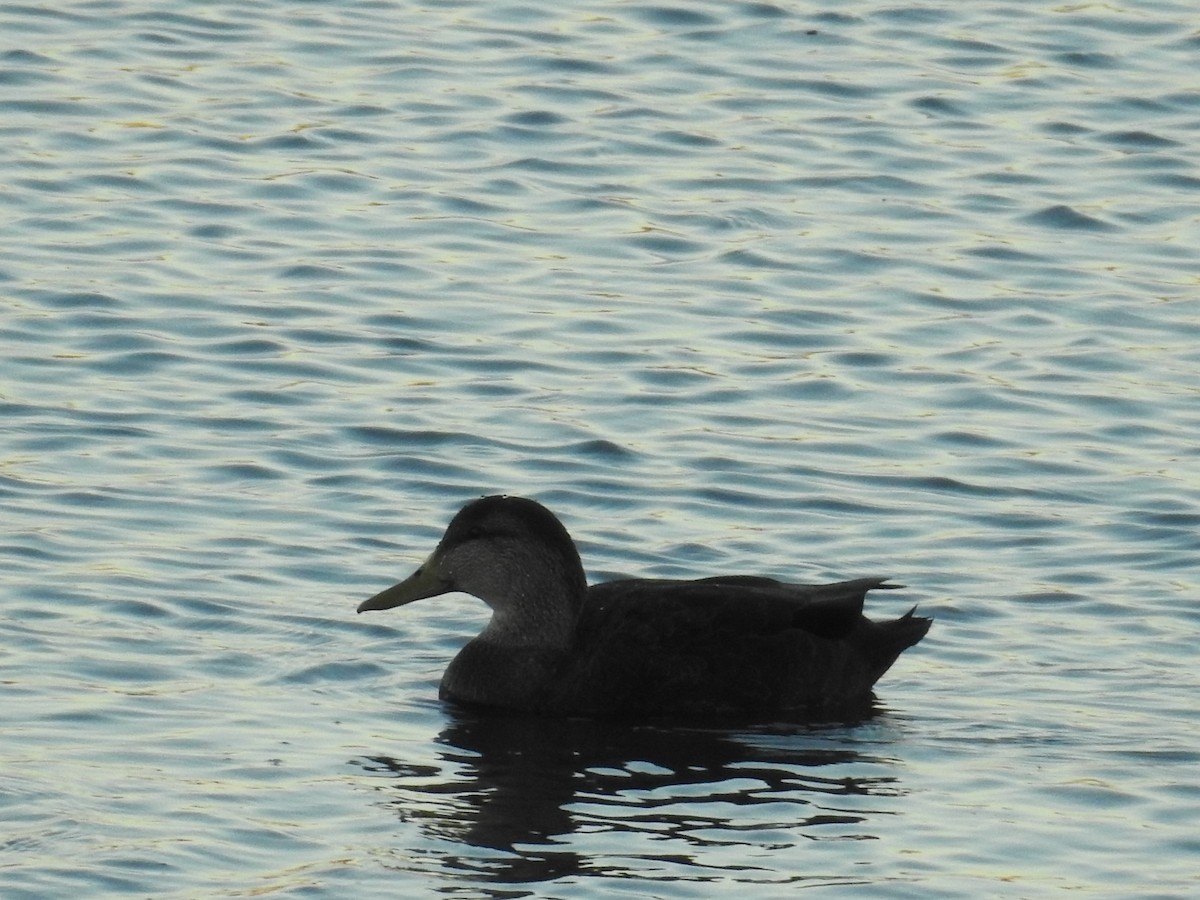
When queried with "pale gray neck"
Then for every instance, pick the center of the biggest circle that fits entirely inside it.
(536, 612)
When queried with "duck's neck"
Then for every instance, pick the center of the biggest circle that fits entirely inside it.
(540, 610)
(513, 662)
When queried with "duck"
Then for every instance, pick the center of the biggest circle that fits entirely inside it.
(737, 645)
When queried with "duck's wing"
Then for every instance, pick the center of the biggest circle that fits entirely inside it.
(728, 644)
(751, 601)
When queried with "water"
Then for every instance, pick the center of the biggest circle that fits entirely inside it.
(803, 291)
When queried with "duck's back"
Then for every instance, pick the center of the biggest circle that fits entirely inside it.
(734, 645)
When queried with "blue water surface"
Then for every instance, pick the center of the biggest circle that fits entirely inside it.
(793, 289)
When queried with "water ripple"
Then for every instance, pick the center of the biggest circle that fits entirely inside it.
(733, 287)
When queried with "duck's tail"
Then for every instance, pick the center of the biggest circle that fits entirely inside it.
(887, 640)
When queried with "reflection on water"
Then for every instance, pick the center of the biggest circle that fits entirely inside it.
(530, 799)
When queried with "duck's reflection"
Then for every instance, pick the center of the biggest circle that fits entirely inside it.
(535, 789)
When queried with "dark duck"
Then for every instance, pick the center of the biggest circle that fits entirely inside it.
(737, 645)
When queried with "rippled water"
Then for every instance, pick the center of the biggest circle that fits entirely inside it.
(807, 291)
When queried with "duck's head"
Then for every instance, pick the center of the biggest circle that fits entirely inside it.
(510, 552)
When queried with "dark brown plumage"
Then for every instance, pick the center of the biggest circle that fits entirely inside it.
(734, 645)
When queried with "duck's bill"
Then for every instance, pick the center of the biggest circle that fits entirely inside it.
(420, 584)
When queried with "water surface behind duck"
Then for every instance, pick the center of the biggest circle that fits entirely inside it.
(904, 290)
